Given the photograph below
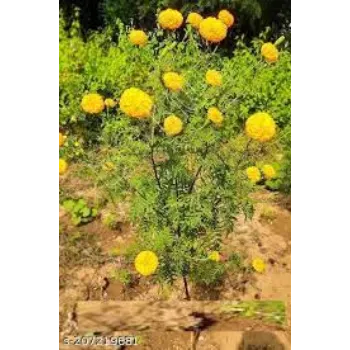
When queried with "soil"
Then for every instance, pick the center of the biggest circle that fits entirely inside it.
(267, 235)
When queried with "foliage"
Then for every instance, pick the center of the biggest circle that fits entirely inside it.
(187, 186)
(251, 15)
(208, 273)
(80, 212)
(122, 275)
(270, 311)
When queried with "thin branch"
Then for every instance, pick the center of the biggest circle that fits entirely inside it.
(178, 230)
(243, 155)
(198, 172)
(154, 165)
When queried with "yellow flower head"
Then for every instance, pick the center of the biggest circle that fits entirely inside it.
(213, 30)
(258, 265)
(194, 19)
(215, 256)
(261, 127)
(226, 17)
(110, 103)
(269, 171)
(146, 263)
(213, 77)
(173, 125)
(63, 166)
(173, 81)
(138, 37)
(92, 103)
(62, 138)
(270, 52)
(253, 174)
(215, 115)
(136, 103)
(170, 19)
(108, 166)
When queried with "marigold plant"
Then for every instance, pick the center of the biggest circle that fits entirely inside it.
(170, 19)
(215, 256)
(213, 78)
(110, 103)
(61, 139)
(213, 30)
(138, 37)
(173, 125)
(258, 265)
(136, 103)
(253, 174)
(146, 263)
(215, 116)
(194, 19)
(173, 81)
(63, 166)
(270, 52)
(261, 127)
(183, 180)
(269, 171)
(226, 17)
(92, 104)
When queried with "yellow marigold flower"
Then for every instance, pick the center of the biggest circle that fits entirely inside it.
(269, 171)
(173, 125)
(226, 17)
(253, 174)
(110, 103)
(138, 37)
(63, 166)
(215, 256)
(213, 30)
(213, 77)
(261, 127)
(136, 103)
(215, 115)
(146, 263)
(194, 19)
(108, 166)
(62, 138)
(173, 81)
(270, 52)
(170, 19)
(92, 103)
(258, 265)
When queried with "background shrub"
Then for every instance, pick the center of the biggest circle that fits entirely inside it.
(252, 16)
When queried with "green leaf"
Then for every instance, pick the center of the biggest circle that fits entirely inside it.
(76, 220)
(69, 204)
(85, 212)
(80, 204)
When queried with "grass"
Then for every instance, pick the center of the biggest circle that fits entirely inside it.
(269, 311)
(268, 214)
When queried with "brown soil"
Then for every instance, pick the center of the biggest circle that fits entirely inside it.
(267, 235)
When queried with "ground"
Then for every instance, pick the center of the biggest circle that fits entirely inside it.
(88, 267)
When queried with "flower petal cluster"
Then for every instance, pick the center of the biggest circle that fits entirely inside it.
(261, 127)
(173, 125)
(253, 174)
(226, 17)
(138, 37)
(269, 171)
(173, 81)
(63, 166)
(258, 265)
(215, 116)
(213, 78)
(136, 104)
(194, 19)
(146, 263)
(170, 19)
(270, 52)
(214, 256)
(213, 30)
(92, 104)
(110, 103)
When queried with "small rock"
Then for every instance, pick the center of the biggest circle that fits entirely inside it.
(272, 261)
(257, 296)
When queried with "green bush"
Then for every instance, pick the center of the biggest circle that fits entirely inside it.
(252, 16)
(184, 191)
